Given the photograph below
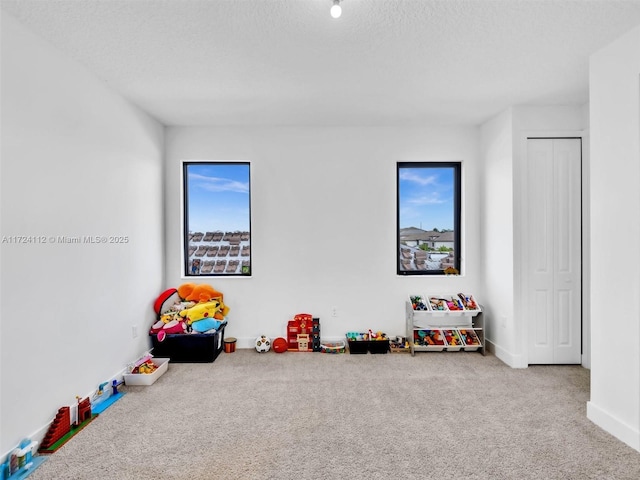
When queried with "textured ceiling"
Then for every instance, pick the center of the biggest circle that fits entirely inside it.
(287, 62)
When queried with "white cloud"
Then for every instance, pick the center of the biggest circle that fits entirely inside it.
(217, 184)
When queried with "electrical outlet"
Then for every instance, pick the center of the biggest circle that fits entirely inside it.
(134, 331)
(334, 311)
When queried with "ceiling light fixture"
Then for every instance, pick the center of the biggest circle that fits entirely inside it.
(336, 9)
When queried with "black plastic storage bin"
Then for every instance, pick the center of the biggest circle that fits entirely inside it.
(378, 346)
(365, 346)
(190, 347)
(358, 346)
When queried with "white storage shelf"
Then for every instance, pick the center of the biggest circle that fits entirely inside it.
(464, 328)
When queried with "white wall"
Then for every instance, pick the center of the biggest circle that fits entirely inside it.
(324, 222)
(615, 209)
(503, 153)
(76, 160)
(496, 218)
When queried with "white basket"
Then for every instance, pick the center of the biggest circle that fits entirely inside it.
(148, 378)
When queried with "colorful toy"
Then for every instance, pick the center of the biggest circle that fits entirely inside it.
(428, 338)
(21, 462)
(438, 304)
(263, 344)
(62, 429)
(199, 293)
(206, 310)
(165, 301)
(468, 302)
(104, 397)
(280, 345)
(417, 302)
(303, 333)
(303, 342)
(163, 329)
(333, 347)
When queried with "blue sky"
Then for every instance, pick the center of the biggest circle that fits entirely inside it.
(218, 197)
(426, 197)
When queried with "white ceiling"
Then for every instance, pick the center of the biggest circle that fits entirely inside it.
(287, 62)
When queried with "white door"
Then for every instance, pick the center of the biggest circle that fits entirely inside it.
(554, 253)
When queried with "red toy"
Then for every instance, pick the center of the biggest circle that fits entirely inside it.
(279, 345)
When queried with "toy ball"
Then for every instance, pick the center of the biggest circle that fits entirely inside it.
(263, 344)
(280, 345)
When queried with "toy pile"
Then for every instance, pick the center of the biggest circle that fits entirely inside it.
(188, 309)
(145, 367)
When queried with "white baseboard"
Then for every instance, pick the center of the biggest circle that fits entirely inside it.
(512, 360)
(614, 426)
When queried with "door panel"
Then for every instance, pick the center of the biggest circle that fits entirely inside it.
(554, 245)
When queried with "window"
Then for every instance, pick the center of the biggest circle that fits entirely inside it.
(217, 219)
(428, 218)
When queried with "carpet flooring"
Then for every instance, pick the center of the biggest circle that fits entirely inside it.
(438, 415)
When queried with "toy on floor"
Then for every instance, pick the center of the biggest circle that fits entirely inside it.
(21, 462)
(303, 333)
(62, 429)
(263, 344)
(105, 397)
(190, 308)
(280, 345)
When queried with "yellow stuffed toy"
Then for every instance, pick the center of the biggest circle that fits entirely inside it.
(201, 311)
(203, 294)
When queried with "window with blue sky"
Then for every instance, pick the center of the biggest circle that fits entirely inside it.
(217, 218)
(428, 213)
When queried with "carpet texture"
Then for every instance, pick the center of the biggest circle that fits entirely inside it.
(439, 415)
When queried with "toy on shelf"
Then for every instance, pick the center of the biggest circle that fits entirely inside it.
(418, 303)
(429, 338)
(468, 302)
(438, 304)
(453, 339)
(469, 338)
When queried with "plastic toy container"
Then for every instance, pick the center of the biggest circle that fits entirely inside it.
(379, 346)
(333, 347)
(190, 347)
(365, 346)
(148, 378)
(453, 340)
(358, 346)
(470, 340)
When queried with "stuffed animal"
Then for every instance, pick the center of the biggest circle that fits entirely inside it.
(210, 310)
(198, 293)
(206, 324)
(162, 329)
(203, 294)
(164, 302)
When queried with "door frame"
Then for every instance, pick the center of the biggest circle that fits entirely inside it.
(520, 275)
